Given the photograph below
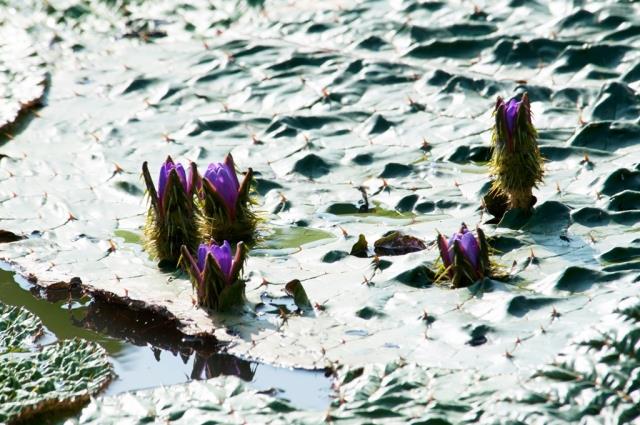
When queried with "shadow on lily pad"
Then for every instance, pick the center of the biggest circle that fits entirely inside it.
(550, 217)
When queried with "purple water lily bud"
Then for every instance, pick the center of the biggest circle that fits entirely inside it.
(220, 253)
(165, 171)
(222, 177)
(507, 114)
(214, 272)
(465, 256)
(223, 257)
(468, 244)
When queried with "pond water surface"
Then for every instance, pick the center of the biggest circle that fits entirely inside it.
(147, 353)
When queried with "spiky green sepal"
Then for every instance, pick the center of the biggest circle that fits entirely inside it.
(216, 221)
(171, 222)
(516, 162)
(213, 290)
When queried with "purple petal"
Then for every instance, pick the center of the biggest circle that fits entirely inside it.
(231, 176)
(225, 182)
(228, 162)
(182, 176)
(471, 249)
(162, 180)
(165, 171)
(223, 257)
(203, 250)
(456, 237)
(190, 178)
(212, 172)
(445, 253)
(452, 239)
(511, 114)
(228, 189)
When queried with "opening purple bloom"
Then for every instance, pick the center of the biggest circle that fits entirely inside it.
(220, 253)
(222, 177)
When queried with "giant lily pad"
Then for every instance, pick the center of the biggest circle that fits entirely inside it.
(22, 78)
(295, 94)
(61, 375)
(595, 378)
(18, 328)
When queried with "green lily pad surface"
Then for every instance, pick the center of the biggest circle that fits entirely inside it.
(61, 375)
(23, 79)
(595, 378)
(18, 328)
(357, 118)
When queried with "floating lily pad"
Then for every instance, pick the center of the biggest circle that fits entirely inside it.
(18, 328)
(333, 256)
(399, 391)
(298, 92)
(419, 277)
(621, 179)
(550, 217)
(129, 236)
(59, 376)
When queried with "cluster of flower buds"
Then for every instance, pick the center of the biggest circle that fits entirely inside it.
(187, 209)
(216, 275)
(516, 163)
(465, 257)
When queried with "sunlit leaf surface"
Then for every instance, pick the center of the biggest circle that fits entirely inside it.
(358, 118)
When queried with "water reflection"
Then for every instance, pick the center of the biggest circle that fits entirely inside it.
(221, 364)
(148, 351)
(162, 337)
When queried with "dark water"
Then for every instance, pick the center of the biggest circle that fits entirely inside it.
(147, 353)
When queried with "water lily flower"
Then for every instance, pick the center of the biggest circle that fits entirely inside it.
(468, 245)
(171, 219)
(221, 254)
(169, 168)
(511, 114)
(507, 115)
(226, 203)
(215, 274)
(222, 177)
(465, 256)
(516, 163)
